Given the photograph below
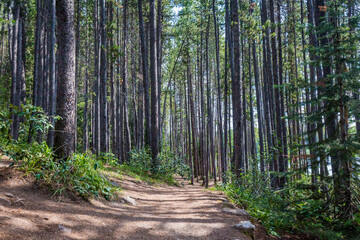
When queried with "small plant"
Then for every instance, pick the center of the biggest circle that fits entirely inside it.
(140, 163)
(293, 209)
(79, 174)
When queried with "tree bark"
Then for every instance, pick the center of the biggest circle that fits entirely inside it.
(154, 90)
(104, 140)
(145, 75)
(127, 139)
(236, 89)
(52, 72)
(219, 109)
(65, 103)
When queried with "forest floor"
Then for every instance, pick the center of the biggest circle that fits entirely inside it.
(161, 212)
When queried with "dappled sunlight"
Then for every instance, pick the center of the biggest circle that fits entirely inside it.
(162, 212)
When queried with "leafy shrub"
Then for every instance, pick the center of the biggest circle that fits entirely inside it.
(108, 158)
(4, 123)
(79, 174)
(291, 209)
(171, 164)
(140, 162)
(33, 120)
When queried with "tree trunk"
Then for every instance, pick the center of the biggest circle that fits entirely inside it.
(65, 104)
(222, 152)
(104, 141)
(127, 139)
(159, 58)
(145, 75)
(236, 89)
(192, 115)
(96, 97)
(154, 90)
(85, 125)
(52, 72)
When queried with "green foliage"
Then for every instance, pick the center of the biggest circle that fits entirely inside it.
(4, 123)
(292, 209)
(140, 163)
(33, 120)
(79, 174)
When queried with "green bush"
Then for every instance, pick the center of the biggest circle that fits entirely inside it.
(140, 162)
(79, 174)
(292, 209)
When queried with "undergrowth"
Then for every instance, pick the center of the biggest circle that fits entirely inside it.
(291, 209)
(83, 174)
(139, 166)
(79, 175)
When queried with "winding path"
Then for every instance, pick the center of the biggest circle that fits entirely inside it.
(162, 212)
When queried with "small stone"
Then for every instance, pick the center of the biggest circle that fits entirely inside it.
(236, 211)
(129, 200)
(64, 229)
(9, 195)
(115, 204)
(246, 227)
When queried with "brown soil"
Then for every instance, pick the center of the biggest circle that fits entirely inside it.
(162, 212)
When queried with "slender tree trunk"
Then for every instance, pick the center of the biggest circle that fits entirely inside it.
(281, 97)
(188, 123)
(252, 124)
(145, 75)
(258, 107)
(279, 162)
(154, 89)
(96, 80)
(15, 96)
(141, 103)
(159, 57)
(85, 125)
(52, 71)
(119, 143)
(202, 113)
(222, 152)
(227, 49)
(236, 89)
(104, 140)
(192, 116)
(36, 87)
(244, 113)
(127, 139)
(112, 111)
(77, 60)
(209, 110)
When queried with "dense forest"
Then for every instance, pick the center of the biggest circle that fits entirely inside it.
(259, 97)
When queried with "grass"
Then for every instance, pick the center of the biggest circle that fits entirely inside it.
(145, 176)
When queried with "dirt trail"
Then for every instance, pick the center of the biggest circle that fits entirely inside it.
(162, 212)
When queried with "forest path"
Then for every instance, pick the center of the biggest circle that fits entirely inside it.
(161, 212)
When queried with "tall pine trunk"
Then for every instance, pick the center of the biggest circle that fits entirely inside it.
(236, 89)
(154, 89)
(64, 140)
(52, 72)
